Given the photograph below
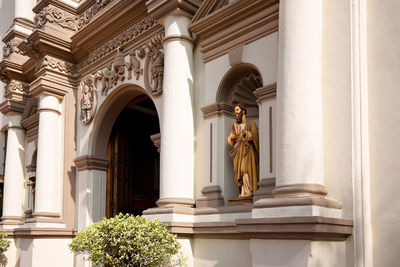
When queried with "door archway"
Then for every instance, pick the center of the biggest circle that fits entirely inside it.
(133, 160)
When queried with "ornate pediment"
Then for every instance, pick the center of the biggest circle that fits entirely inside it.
(208, 7)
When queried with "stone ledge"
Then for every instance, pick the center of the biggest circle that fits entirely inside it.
(293, 228)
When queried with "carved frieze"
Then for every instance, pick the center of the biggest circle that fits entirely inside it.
(12, 46)
(67, 20)
(154, 65)
(88, 101)
(55, 64)
(118, 41)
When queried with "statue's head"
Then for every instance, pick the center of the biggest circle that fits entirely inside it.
(240, 112)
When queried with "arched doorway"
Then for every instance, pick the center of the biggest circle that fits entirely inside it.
(134, 162)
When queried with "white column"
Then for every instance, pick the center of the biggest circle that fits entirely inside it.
(13, 200)
(177, 133)
(23, 8)
(48, 176)
(299, 99)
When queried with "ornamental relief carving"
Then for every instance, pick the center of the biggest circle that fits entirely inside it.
(12, 47)
(118, 41)
(17, 87)
(88, 101)
(67, 20)
(55, 64)
(120, 70)
(154, 65)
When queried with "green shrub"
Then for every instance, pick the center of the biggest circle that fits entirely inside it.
(4, 242)
(126, 240)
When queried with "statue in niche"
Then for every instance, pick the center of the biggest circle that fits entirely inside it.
(244, 140)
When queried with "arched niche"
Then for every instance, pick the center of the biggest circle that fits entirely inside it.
(238, 86)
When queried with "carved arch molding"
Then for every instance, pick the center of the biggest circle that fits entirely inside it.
(146, 62)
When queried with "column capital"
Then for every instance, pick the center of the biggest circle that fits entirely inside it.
(159, 9)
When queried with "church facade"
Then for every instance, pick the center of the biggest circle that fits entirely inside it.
(111, 106)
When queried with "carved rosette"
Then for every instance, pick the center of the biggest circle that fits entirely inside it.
(88, 100)
(51, 14)
(55, 64)
(154, 65)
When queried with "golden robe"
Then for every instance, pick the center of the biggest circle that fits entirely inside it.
(245, 157)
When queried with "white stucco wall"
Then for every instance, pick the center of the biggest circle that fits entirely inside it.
(384, 126)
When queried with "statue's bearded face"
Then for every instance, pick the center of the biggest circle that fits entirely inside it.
(238, 114)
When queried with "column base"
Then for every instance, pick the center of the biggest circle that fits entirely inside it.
(12, 220)
(300, 190)
(265, 188)
(173, 202)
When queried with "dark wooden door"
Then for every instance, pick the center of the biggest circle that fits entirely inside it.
(133, 173)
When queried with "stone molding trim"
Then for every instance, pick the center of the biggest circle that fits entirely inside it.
(235, 24)
(200, 211)
(177, 38)
(14, 37)
(42, 232)
(300, 190)
(12, 106)
(293, 228)
(11, 219)
(159, 9)
(169, 202)
(46, 214)
(211, 197)
(217, 109)
(297, 201)
(84, 163)
(118, 41)
(67, 19)
(265, 93)
(208, 7)
(49, 110)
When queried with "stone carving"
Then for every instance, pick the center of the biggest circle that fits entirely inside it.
(88, 90)
(55, 64)
(245, 143)
(17, 87)
(117, 71)
(3, 76)
(154, 65)
(67, 20)
(12, 47)
(134, 64)
(118, 41)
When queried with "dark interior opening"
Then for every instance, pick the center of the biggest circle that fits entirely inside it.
(133, 175)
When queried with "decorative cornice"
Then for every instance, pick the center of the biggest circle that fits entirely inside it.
(91, 163)
(52, 14)
(56, 65)
(217, 109)
(12, 106)
(237, 23)
(118, 41)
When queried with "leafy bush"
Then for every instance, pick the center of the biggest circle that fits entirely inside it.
(126, 240)
(4, 242)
